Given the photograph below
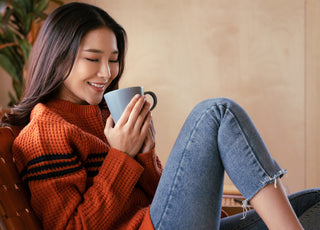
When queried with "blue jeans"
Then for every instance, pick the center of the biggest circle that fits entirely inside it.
(217, 136)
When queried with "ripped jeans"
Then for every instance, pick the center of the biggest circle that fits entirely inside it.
(217, 136)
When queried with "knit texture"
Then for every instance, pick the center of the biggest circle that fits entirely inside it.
(76, 180)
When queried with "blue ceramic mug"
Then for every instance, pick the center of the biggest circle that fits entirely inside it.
(117, 100)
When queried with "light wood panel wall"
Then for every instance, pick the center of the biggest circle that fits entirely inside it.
(312, 107)
(263, 54)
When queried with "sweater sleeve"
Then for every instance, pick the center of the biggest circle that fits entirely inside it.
(152, 171)
(57, 183)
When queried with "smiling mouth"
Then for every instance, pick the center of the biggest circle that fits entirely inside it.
(99, 86)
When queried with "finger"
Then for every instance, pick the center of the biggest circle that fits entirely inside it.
(109, 125)
(150, 140)
(137, 111)
(152, 126)
(126, 113)
(152, 131)
(109, 122)
(151, 135)
(142, 116)
(146, 125)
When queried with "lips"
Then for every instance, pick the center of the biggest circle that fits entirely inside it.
(98, 86)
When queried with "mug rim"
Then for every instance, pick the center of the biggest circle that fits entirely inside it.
(117, 90)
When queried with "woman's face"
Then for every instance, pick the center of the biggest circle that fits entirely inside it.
(95, 66)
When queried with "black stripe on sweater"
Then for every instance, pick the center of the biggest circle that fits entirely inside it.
(96, 156)
(51, 175)
(51, 166)
(69, 163)
(51, 157)
(46, 160)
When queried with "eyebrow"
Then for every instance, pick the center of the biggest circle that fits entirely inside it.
(99, 51)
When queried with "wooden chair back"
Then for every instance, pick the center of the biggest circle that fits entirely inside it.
(15, 210)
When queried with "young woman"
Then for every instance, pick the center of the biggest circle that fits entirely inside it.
(85, 172)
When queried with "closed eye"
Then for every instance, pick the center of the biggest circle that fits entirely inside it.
(114, 61)
(92, 60)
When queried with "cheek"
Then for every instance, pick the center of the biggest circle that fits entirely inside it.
(114, 71)
(83, 69)
(69, 84)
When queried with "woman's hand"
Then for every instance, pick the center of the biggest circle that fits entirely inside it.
(130, 132)
(150, 139)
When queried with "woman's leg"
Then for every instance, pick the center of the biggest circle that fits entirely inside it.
(306, 205)
(218, 135)
(273, 206)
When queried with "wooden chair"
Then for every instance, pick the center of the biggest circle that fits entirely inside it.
(15, 210)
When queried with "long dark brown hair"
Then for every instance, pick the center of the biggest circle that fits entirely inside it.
(53, 55)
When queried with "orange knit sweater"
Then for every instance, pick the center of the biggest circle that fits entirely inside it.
(75, 179)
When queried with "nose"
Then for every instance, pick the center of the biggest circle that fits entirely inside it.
(104, 71)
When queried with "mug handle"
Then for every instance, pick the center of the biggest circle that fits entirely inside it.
(154, 97)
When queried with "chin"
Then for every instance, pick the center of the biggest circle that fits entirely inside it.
(94, 102)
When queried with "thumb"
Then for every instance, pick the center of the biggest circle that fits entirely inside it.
(109, 123)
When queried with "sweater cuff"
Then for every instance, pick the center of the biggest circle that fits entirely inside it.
(145, 157)
(150, 160)
(120, 168)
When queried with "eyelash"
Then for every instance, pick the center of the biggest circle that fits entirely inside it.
(96, 60)
(92, 60)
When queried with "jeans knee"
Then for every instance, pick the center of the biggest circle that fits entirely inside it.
(216, 109)
(219, 101)
(222, 103)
